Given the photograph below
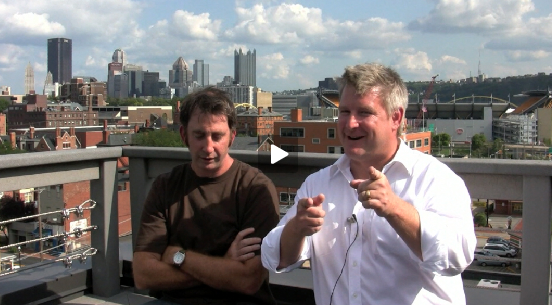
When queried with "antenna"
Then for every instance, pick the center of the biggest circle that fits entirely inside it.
(479, 64)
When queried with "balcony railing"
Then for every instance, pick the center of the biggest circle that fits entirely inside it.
(528, 181)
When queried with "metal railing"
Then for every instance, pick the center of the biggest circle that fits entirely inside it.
(528, 181)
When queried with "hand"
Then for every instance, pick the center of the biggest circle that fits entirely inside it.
(169, 254)
(376, 193)
(310, 215)
(243, 249)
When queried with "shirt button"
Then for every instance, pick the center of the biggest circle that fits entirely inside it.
(354, 264)
(355, 295)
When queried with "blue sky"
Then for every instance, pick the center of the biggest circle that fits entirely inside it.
(298, 43)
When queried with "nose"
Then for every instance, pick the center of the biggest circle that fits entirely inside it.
(351, 122)
(208, 146)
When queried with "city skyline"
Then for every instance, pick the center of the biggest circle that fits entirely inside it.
(297, 43)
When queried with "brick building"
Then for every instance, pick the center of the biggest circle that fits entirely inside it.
(38, 112)
(3, 126)
(253, 122)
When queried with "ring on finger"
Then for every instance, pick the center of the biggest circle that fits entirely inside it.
(367, 194)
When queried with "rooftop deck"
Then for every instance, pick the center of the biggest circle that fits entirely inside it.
(99, 278)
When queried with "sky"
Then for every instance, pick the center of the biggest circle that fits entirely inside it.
(298, 43)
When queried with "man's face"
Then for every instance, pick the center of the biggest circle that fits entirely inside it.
(367, 133)
(208, 138)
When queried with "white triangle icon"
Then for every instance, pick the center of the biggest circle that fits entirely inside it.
(277, 154)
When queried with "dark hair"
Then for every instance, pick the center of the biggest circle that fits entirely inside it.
(209, 100)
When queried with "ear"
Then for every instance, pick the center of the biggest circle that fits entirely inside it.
(397, 118)
(232, 137)
(183, 134)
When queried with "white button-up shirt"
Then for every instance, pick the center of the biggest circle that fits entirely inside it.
(379, 267)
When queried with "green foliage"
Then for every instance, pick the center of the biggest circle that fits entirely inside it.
(158, 138)
(6, 148)
(440, 140)
(4, 103)
(480, 220)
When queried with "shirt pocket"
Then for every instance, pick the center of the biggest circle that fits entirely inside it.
(385, 238)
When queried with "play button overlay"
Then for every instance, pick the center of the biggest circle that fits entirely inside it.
(277, 154)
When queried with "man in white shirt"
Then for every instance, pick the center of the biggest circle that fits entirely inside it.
(384, 224)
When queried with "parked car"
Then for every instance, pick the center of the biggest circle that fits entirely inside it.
(489, 259)
(498, 240)
(500, 250)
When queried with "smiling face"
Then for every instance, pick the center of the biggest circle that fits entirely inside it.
(208, 138)
(368, 134)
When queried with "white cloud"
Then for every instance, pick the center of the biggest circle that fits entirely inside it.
(470, 16)
(412, 61)
(273, 66)
(309, 60)
(38, 67)
(356, 54)
(451, 59)
(526, 55)
(189, 25)
(10, 56)
(31, 24)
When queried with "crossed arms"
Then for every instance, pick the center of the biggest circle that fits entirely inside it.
(239, 270)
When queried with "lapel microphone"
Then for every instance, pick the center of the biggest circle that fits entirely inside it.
(352, 219)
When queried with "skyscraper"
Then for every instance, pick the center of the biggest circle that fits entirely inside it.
(201, 73)
(245, 68)
(119, 56)
(180, 77)
(60, 53)
(29, 79)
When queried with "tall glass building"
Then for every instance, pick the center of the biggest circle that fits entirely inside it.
(60, 54)
(201, 73)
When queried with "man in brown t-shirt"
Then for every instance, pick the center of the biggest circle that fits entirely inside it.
(202, 223)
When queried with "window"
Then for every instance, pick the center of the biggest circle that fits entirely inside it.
(426, 142)
(290, 132)
(315, 140)
(411, 144)
(287, 197)
(331, 133)
(336, 150)
(292, 148)
(122, 186)
(419, 143)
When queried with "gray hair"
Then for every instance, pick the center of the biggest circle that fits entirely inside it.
(368, 76)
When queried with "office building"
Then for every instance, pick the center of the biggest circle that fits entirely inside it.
(119, 56)
(60, 52)
(180, 77)
(135, 79)
(29, 79)
(245, 68)
(201, 73)
(150, 84)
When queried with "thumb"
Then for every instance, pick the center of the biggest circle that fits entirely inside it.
(355, 183)
(316, 201)
(375, 174)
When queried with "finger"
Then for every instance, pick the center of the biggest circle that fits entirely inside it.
(305, 203)
(364, 195)
(317, 201)
(249, 249)
(243, 233)
(246, 257)
(250, 241)
(356, 183)
(375, 174)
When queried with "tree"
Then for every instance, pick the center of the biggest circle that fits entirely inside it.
(441, 140)
(480, 220)
(6, 148)
(478, 143)
(4, 103)
(11, 208)
(158, 138)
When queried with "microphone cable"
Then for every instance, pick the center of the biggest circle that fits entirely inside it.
(346, 255)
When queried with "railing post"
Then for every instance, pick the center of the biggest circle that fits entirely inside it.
(535, 271)
(105, 264)
(138, 193)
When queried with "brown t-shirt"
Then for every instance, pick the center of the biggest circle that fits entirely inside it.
(205, 215)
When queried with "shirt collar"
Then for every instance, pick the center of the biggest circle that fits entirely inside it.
(404, 157)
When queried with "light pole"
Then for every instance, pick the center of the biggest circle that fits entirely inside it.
(19, 255)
